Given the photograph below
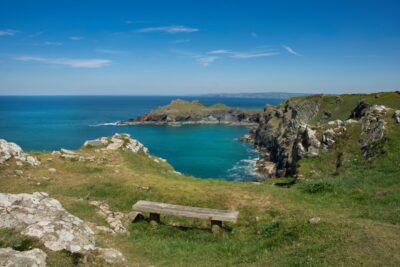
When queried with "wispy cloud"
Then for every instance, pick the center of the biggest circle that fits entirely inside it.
(219, 51)
(244, 54)
(75, 38)
(8, 32)
(290, 50)
(205, 60)
(254, 34)
(180, 41)
(49, 43)
(169, 29)
(110, 51)
(135, 21)
(73, 63)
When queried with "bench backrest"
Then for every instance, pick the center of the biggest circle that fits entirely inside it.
(186, 211)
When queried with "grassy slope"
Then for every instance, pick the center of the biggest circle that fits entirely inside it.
(359, 209)
(186, 108)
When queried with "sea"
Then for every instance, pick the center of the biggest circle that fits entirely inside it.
(47, 123)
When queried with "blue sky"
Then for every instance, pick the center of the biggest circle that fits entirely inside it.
(190, 47)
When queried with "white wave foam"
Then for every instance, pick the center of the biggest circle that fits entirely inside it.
(104, 124)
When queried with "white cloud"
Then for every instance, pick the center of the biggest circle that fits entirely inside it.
(75, 38)
(8, 32)
(205, 60)
(110, 51)
(73, 63)
(219, 51)
(169, 29)
(290, 50)
(243, 55)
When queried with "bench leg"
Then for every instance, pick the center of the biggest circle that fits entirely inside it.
(216, 226)
(154, 218)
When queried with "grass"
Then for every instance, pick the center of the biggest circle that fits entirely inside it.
(359, 207)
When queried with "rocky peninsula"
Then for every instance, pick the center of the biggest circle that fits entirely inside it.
(180, 112)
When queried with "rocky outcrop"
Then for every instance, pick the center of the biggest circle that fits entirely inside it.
(9, 150)
(31, 258)
(297, 129)
(118, 141)
(373, 130)
(284, 135)
(40, 216)
(360, 110)
(184, 112)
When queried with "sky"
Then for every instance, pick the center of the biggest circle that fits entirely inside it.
(194, 47)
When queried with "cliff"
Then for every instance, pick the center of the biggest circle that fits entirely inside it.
(302, 127)
(185, 112)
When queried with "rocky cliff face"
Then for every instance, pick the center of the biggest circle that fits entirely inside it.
(299, 128)
(285, 136)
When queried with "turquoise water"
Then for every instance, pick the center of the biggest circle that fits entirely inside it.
(49, 123)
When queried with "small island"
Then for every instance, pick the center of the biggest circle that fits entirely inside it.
(180, 112)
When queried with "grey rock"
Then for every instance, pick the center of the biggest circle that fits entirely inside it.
(31, 258)
(111, 255)
(396, 116)
(9, 150)
(42, 217)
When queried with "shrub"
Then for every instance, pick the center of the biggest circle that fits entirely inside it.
(317, 187)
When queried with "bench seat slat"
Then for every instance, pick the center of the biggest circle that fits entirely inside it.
(186, 211)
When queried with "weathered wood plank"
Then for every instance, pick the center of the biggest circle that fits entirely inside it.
(186, 211)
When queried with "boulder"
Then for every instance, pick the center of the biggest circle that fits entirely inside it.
(31, 258)
(42, 217)
(359, 111)
(396, 116)
(329, 138)
(96, 142)
(314, 220)
(10, 150)
(33, 161)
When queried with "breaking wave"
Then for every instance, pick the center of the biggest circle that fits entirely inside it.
(104, 124)
(243, 170)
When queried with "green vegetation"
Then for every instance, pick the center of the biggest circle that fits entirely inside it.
(358, 204)
(185, 108)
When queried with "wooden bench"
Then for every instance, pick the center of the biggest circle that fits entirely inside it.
(215, 216)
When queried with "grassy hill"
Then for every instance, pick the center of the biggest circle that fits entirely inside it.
(358, 206)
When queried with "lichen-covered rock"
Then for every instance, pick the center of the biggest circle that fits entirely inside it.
(10, 150)
(31, 258)
(119, 141)
(42, 217)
